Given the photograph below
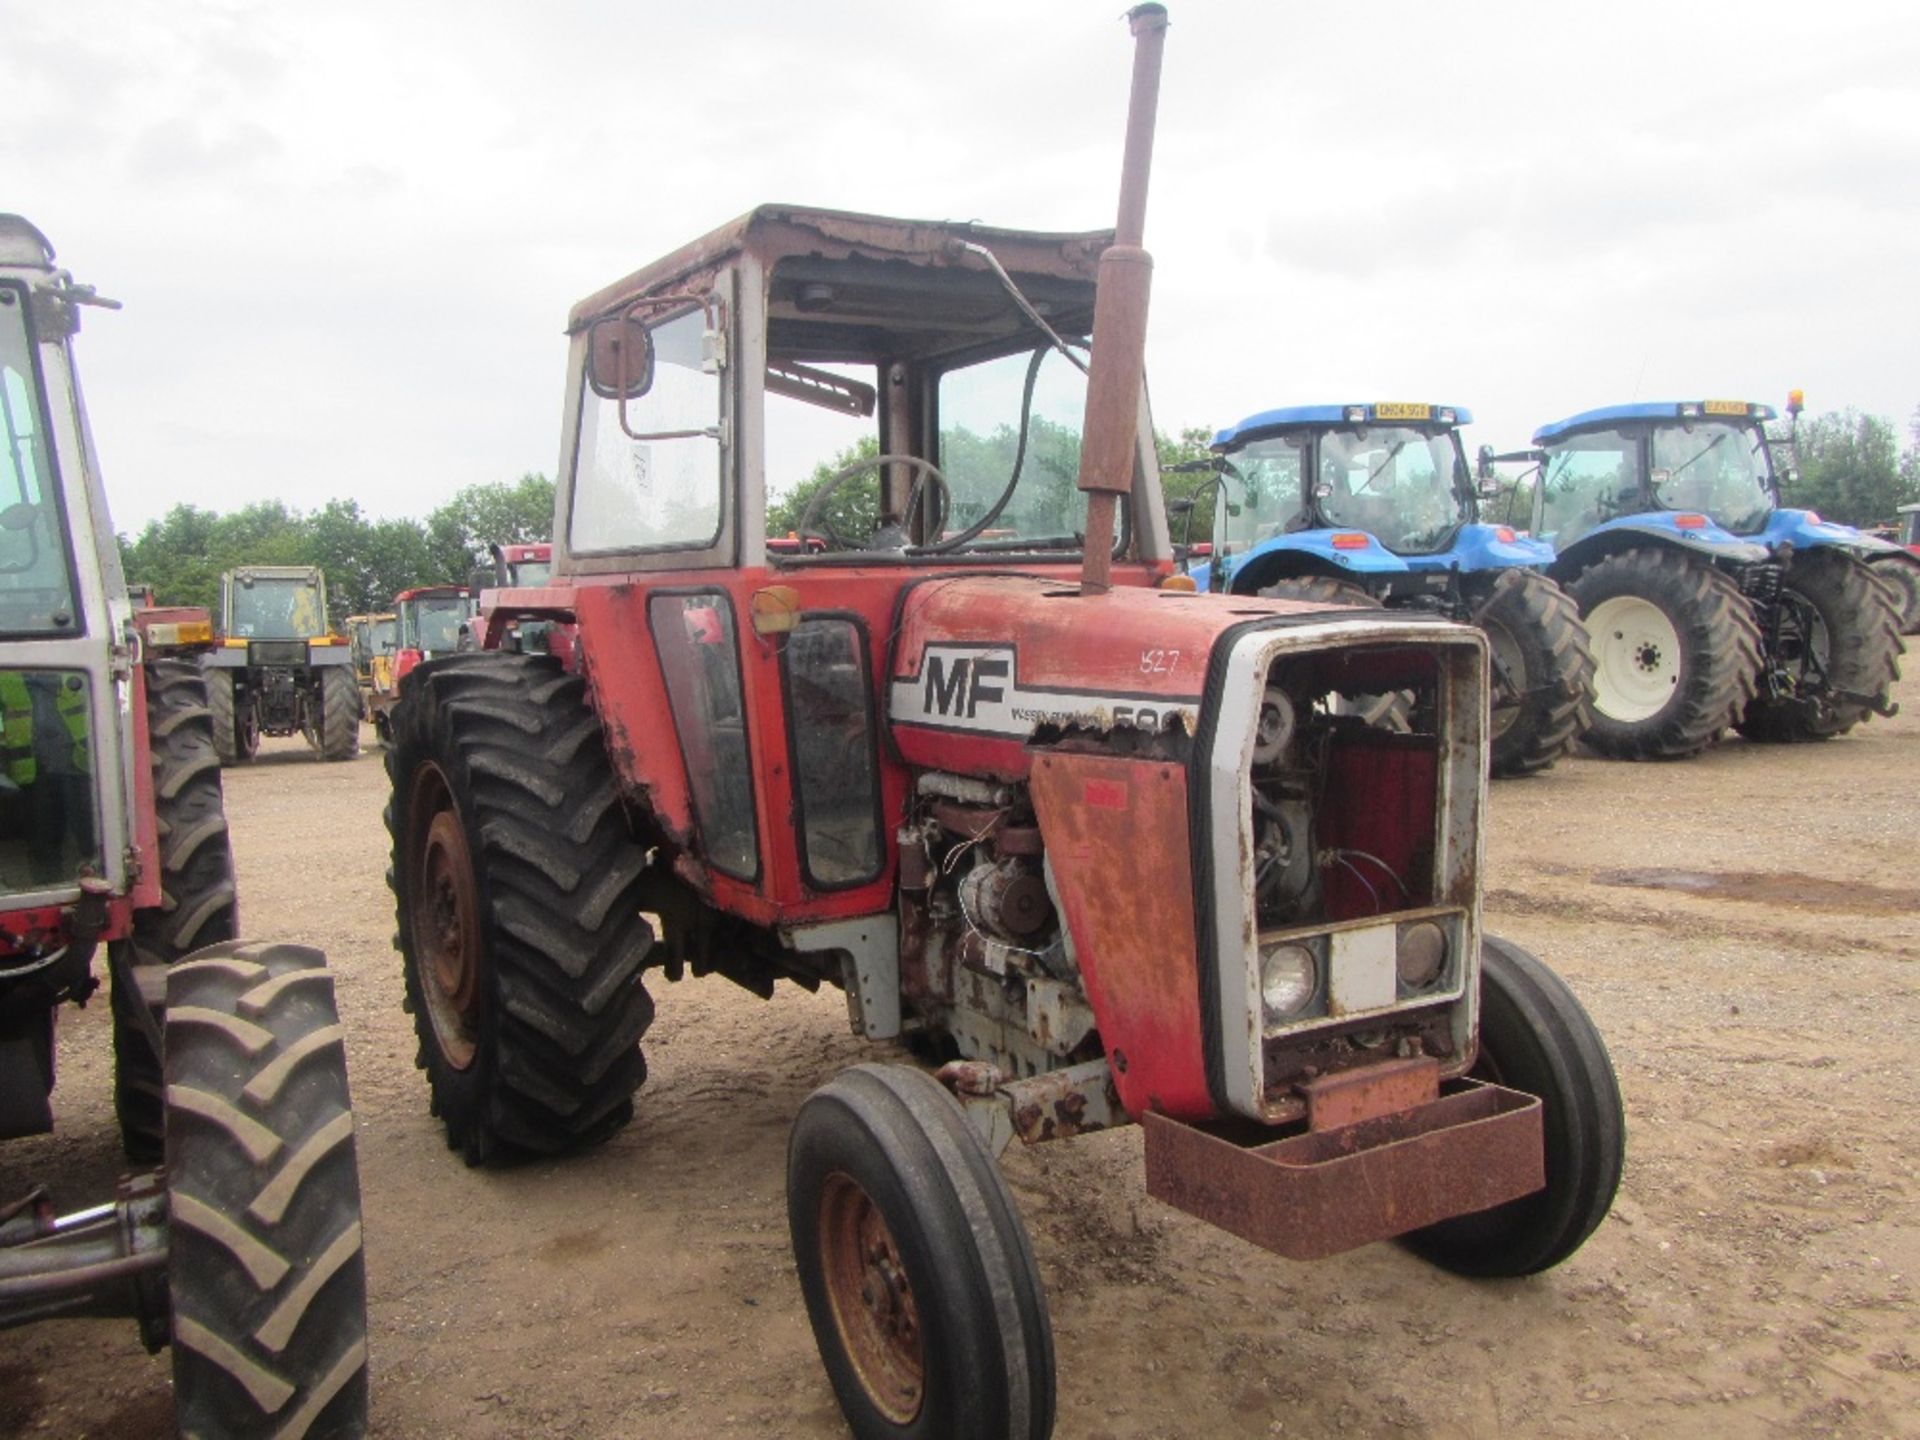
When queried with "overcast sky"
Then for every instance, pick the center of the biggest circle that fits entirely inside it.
(347, 235)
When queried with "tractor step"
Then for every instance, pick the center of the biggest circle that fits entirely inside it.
(1319, 1193)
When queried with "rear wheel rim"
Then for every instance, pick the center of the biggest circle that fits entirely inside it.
(1636, 658)
(873, 1306)
(446, 920)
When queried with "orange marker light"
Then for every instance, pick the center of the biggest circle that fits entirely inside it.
(1689, 522)
(1505, 535)
(1178, 582)
(1350, 540)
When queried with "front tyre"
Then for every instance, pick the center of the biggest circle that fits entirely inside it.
(1543, 682)
(519, 891)
(197, 905)
(1902, 573)
(1833, 653)
(1676, 653)
(919, 1280)
(1535, 1037)
(265, 1263)
(228, 739)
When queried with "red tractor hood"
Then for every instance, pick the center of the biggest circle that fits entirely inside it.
(982, 663)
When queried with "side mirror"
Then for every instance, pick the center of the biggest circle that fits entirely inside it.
(620, 358)
(1182, 506)
(1483, 465)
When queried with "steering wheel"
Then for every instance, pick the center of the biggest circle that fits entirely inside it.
(929, 478)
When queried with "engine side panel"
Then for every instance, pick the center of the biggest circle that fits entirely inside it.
(1116, 835)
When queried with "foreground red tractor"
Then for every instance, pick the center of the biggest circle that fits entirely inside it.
(975, 754)
(244, 1251)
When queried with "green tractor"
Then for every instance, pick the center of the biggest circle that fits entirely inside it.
(279, 669)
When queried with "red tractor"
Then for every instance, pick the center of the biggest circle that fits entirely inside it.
(1101, 849)
(428, 622)
(244, 1251)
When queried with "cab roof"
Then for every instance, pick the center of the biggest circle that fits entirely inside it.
(1653, 410)
(22, 244)
(834, 239)
(1362, 412)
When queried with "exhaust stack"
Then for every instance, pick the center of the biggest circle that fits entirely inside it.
(1116, 368)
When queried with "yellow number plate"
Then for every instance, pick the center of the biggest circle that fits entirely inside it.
(1401, 410)
(1724, 407)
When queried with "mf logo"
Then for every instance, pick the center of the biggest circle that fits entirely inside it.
(959, 687)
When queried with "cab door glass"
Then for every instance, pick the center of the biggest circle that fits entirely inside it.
(829, 718)
(48, 815)
(36, 589)
(1589, 479)
(694, 635)
(663, 491)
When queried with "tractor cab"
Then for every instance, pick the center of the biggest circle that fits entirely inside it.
(1703, 470)
(427, 624)
(67, 773)
(1374, 490)
(1373, 504)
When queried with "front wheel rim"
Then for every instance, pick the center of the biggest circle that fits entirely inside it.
(1637, 658)
(873, 1307)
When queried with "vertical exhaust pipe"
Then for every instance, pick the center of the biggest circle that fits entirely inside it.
(1116, 369)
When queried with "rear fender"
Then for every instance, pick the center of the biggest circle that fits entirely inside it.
(1480, 548)
(1310, 552)
(1638, 532)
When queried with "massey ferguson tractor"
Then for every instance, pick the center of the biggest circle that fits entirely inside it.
(1373, 504)
(279, 669)
(243, 1250)
(1107, 848)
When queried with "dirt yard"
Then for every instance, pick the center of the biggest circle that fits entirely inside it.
(1745, 929)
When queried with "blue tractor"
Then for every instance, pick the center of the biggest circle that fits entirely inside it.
(1709, 604)
(1373, 505)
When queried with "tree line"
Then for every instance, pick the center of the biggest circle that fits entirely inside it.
(367, 562)
(1850, 467)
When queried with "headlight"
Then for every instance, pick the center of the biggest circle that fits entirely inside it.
(1421, 954)
(1288, 981)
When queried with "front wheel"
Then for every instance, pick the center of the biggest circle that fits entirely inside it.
(265, 1264)
(1676, 653)
(1535, 1037)
(1902, 574)
(1543, 672)
(228, 737)
(1833, 651)
(920, 1283)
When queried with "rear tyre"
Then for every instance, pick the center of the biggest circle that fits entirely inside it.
(197, 904)
(1543, 680)
(266, 1268)
(227, 737)
(519, 889)
(1903, 574)
(919, 1280)
(1676, 653)
(339, 714)
(1535, 1037)
(1835, 651)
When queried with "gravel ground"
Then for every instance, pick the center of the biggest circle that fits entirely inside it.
(1745, 929)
